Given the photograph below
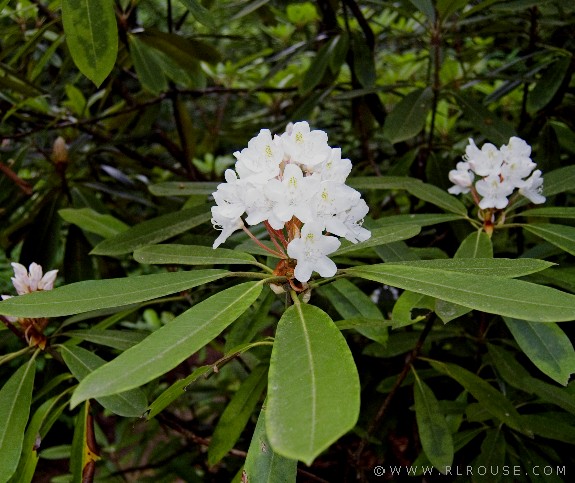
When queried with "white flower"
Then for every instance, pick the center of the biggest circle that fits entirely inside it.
(304, 146)
(31, 280)
(292, 194)
(533, 188)
(311, 252)
(261, 159)
(334, 168)
(484, 161)
(330, 204)
(224, 223)
(494, 192)
(353, 221)
(462, 178)
(230, 196)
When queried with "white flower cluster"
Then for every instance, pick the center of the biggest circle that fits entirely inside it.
(501, 171)
(295, 184)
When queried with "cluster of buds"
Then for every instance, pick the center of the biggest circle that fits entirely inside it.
(295, 184)
(491, 175)
(28, 281)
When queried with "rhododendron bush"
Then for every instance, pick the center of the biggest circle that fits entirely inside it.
(300, 241)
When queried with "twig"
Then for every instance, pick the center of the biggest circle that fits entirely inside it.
(23, 185)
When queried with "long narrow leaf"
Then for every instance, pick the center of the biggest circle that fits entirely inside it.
(167, 347)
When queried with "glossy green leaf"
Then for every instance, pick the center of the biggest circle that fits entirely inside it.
(500, 267)
(379, 236)
(550, 426)
(186, 52)
(154, 231)
(424, 191)
(490, 398)
(82, 362)
(351, 302)
(191, 255)
(237, 414)
(559, 181)
(200, 13)
(549, 83)
(175, 391)
(561, 236)
(487, 123)
(426, 7)
(433, 431)
(263, 464)
(117, 339)
(148, 65)
(40, 423)
(183, 188)
(99, 294)
(363, 59)
(492, 453)
(89, 220)
(547, 346)
(550, 212)
(167, 347)
(475, 245)
(417, 219)
(15, 400)
(319, 64)
(517, 376)
(495, 295)
(402, 314)
(92, 36)
(313, 390)
(438, 197)
(408, 116)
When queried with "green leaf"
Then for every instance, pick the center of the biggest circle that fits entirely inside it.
(492, 453)
(445, 8)
(549, 83)
(82, 362)
(438, 197)
(237, 414)
(426, 192)
(559, 181)
(92, 36)
(433, 431)
(551, 427)
(200, 13)
(547, 347)
(15, 400)
(313, 390)
(561, 236)
(91, 221)
(409, 115)
(263, 464)
(363, 59)
(319, 64)
(183, 188)
(99, 294)
(191, 255)
(117, 339)
(175, 391)
(500, 267)
(476, 245)
(426, 7)
(148, 65)
(379, 236)
(491, 399)
(417, 219)
(517, 376)
(401, 314)
(153, 231)
(167, 347)
(351, 302)
(492, 127)
(495, 295)
(550, 212)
